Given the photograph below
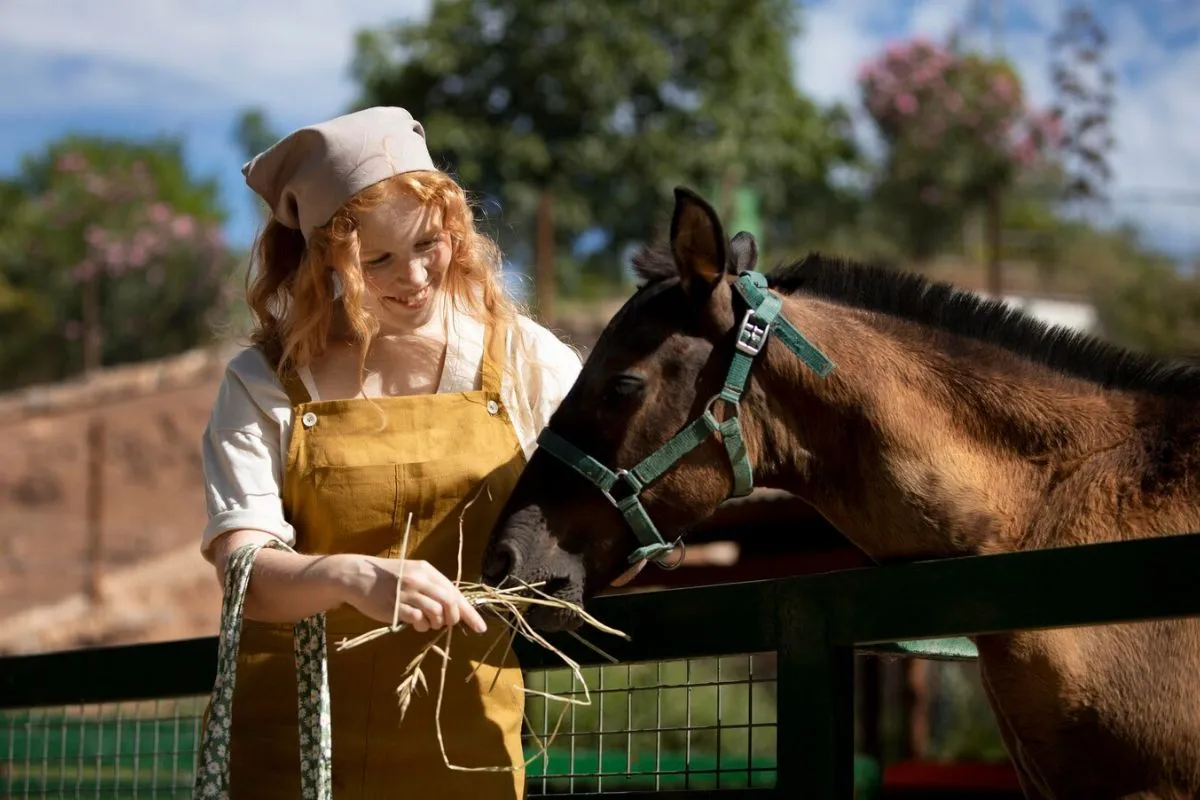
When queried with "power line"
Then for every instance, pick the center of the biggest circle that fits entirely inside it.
(1179, 197)
(997, 13)
(1176, 197)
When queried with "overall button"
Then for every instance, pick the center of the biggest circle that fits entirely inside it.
(309, 419)
(493, 407)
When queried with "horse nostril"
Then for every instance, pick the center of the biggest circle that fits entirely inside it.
(501, 562)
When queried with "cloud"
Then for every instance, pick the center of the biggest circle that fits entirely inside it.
(936, 18)
(40, 83)
(289, 57)
(829, 49)
(145, 67)
(1156, 149)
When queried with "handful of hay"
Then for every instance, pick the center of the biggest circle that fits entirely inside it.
(508, 605)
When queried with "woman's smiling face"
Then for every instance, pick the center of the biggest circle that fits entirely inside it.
(404, 254)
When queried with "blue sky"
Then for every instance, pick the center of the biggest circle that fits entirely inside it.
(145, 67)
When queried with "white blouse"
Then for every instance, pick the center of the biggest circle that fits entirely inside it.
(244, 446)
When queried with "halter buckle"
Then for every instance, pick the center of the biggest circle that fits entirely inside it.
(735, 406)
(631, 483)
(752, 335)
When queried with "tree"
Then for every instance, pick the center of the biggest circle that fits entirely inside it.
(111, 252)
(584, 115)
(1083, 84)
(253, 132)
(1142, 300)
(957, 132)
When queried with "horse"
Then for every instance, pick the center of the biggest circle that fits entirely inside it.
(922, 421)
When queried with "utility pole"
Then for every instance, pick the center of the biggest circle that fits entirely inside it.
(93, 347)
(997, 9)
(545, 284)
(994, 206)
(985, 18)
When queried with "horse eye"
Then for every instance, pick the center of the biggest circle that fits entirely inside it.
(623, 388)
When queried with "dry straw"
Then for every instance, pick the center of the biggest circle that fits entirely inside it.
(509, 605)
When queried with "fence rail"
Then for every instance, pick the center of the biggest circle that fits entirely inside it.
(812, 625)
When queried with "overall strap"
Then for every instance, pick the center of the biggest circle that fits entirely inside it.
(296, 391)
(495, 346)
(292, 384)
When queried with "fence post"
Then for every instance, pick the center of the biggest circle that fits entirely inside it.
(93, 356)
(815, 712)
(95, 507)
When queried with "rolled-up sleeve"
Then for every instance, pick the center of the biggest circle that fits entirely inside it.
(243, 451)
(561, 365)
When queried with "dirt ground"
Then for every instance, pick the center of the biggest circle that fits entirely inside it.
(152, 514)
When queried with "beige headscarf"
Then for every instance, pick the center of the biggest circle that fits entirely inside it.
(307, 175)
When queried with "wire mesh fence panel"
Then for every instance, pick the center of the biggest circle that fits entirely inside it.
(113, 750)
(703, 723)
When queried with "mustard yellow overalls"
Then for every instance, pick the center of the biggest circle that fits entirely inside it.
(349, 486)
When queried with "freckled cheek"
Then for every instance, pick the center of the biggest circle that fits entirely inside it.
(437, 263)
(374, 283)
(370, 283)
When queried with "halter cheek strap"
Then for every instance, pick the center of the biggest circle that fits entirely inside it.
(623, 487)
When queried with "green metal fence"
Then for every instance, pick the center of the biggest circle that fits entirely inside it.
(706, 723)
(128, 749)
(739, 690)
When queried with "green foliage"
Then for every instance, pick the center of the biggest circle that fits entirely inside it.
(707, 709)
(956, 129)
(1141, 299)
(1034, 232)
(253, 132)
(965, 728)
(609, 106)
(127, 215)
(1083, 81)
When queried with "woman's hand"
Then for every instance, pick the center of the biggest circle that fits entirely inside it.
(428, 599)
(288, 586)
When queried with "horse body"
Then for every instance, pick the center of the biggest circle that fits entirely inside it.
(956, 455)
(1105, 711)
(950, 426)
(1109, 712)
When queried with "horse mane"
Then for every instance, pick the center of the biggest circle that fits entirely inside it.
(945, 307)
(654, 265)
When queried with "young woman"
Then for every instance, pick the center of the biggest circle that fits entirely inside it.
(391, 388)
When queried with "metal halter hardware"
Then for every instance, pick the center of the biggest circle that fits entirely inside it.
(758, 323)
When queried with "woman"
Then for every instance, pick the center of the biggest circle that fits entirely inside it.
(391, 390)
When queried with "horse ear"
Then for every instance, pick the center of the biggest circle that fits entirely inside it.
(745, 252)
(697, 242)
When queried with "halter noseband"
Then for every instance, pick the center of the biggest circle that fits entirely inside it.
(623, 487)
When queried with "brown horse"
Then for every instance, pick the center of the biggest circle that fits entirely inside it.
(941, 425)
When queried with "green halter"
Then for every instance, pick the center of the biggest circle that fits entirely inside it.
(623, 487)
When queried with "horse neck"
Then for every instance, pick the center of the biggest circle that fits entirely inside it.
(912, 452)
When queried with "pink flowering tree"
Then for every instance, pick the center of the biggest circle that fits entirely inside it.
(958, 133)
(111, 239)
